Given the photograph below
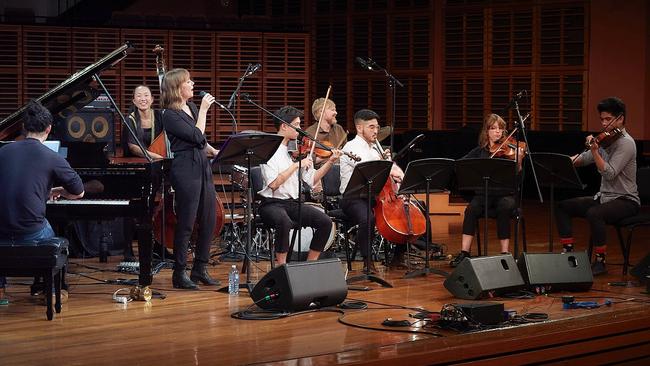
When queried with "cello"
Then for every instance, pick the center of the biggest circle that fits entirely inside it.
(398, 221)
(164, 231)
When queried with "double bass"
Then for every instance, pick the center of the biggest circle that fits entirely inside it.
(398, 221)
(167, 239)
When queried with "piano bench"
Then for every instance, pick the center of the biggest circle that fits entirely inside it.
(45, 258)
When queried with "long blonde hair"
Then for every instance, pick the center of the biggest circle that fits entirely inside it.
(171, 88)
(490, 119)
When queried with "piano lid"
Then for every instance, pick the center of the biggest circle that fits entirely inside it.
(71, 95)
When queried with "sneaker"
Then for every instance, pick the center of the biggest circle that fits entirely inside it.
(598, 267)
(459, 258)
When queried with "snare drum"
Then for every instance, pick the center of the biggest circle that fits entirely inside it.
(239, 176)
(307, 234)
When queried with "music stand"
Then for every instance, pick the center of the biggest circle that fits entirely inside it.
(367, 180)
(248, 149)
(425, 175)
(486, 176)
(555, 170)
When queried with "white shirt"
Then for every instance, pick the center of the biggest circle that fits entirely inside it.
(359, 147)
(278, 163)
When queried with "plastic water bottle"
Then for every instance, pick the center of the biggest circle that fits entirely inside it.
(233, 280)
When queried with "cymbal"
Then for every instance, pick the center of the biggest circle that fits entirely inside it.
(383, 133)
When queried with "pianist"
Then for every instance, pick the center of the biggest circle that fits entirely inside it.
(29, 172)
(190, 175)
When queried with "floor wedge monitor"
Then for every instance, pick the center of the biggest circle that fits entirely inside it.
(479, 277)
(302, 285)
(556, 271)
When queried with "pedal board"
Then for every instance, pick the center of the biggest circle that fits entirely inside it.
(486, 313)
(129, 267)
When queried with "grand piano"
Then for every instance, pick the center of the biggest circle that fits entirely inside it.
(129, 184)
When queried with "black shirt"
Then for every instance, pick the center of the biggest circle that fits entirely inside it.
(477, 153)
(28, 170)
(144, 135)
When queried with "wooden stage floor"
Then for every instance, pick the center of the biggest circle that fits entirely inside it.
(195, 327)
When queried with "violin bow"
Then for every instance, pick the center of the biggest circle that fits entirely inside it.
(322, 112)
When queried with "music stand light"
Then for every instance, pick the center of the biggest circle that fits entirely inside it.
(367, 180)
(425, 175)
(248, 149)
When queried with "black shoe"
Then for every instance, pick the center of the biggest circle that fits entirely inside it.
(598, 267)
(459, 258)
(201, 275)
(567, 248)
(181, 280)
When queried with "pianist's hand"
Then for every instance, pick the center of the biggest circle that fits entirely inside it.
(55, 193)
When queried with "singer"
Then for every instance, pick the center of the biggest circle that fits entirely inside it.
(191, 176)
(279, 207)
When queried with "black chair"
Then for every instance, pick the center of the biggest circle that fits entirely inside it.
(332, 196)
(517, 218)
(45, 258)
(639, 220)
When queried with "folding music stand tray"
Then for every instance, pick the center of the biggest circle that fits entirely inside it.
(423, 176)
(486, 176)
(367, 180)
(555, 171)
(248, 149)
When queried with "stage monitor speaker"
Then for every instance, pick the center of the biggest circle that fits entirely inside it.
(556, 271)
(642, 270)
(302, 285)
(88, 125)
(484, 276)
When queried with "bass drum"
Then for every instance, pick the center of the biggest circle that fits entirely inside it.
(170, 221)
(307, 234)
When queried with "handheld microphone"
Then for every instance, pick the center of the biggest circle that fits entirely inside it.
(253, 69)
(364, 64)
(202, 94)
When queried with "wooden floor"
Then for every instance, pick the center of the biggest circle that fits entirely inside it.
(195, 327)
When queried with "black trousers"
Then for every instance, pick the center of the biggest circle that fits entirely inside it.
(357, 210)
(195, 201)
(282, 214)
(504, 206)
(597, 214)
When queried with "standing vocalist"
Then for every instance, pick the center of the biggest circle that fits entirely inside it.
(191, 176)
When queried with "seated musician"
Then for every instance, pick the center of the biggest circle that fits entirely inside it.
(493, 130)
(365, 146)
(279, 207)
(30, 172)
(618, 197)
(146, 123)
(191, 176)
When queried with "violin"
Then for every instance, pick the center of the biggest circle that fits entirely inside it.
(605, 138)
(321, 149)
(506, 149)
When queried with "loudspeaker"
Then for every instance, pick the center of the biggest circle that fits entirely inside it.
(87, 125)
(474, 278)
(642, 270)
(300, 286)
(557, 271)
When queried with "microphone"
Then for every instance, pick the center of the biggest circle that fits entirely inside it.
(253, 69)
(520, 95)
(364, 64)
(245, 96)
(202, 94)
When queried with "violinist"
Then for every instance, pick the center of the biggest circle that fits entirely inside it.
(190, 176)
(490, 137)
(146, 122)
(330, 131)
(618, 197)
(364, 145)
(279, 207)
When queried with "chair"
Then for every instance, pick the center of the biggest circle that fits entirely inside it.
(331, 185)
(45, 258)
(639, 220)
(518, 219)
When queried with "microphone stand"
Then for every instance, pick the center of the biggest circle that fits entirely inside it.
(393, 83)
(232, 101)
(522, 128)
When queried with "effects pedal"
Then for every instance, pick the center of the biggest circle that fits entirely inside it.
(129, 267)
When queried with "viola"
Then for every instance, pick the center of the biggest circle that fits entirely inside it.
(507, 149)
(322, 150)
(605, 138)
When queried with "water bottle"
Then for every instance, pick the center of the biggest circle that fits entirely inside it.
(233, 280)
